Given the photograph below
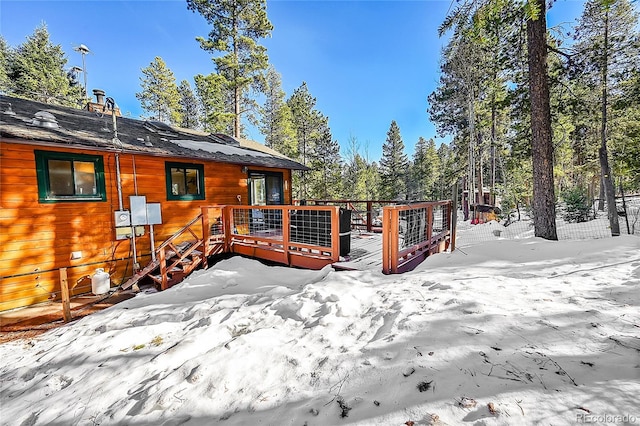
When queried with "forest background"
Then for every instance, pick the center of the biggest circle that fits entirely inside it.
(482, 104)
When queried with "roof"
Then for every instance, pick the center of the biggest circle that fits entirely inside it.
(47, 124)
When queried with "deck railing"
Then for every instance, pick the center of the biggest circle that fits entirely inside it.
(366, 214)
(303, 236)
(412, 232)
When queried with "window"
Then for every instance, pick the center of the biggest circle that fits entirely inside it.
(265, 188)
(185, 181)
(64, 176)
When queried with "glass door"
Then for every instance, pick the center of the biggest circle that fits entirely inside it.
(265, 188)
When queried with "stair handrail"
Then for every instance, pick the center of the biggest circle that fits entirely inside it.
(160, 251)
(177, 234)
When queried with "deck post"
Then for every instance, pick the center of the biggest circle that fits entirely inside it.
(227, 215)
(335, 234)
(429, 228)
(64, 290)
(163, 270)
(206, 235)
(390, 237)
(453, 216)
(286, 233)
(386, 250)
(369, 216)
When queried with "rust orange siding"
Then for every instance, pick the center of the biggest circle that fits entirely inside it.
(36, 239)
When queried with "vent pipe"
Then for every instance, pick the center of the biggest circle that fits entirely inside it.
(99, 94)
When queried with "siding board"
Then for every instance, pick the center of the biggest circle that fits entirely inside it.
(36, 239)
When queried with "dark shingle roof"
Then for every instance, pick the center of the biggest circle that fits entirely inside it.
(80, 128)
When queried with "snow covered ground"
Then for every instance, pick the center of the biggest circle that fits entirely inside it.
(508, 331)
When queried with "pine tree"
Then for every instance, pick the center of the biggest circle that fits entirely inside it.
(214, 100)
(447, 174)
(626, 133)
(277, 120)
(188, 107)
(327, 165)
(361, 178)
(309, 125)
(237, 27)
(608, 52)
(468, 21)
(159, 95)
(37, 71)
(393, 166)
(5, 59)
(424, 171)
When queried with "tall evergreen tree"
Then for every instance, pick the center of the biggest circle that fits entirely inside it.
(544, 207)
(37, 71)
(308, 123)
(608, 53)
(277, 121)
(424, 171)
(159, 96)
(327, 165)
(466, 20)
(393, 166)
(237, 27)
(627, 132)
(5, 60)
(188, 107)
(447, 174)
(214, 100)
(361, 177)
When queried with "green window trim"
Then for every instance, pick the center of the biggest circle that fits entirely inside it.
(185, 181)
(76, 179)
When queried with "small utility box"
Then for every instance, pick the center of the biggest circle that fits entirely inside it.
(138, 206)
(154, 214)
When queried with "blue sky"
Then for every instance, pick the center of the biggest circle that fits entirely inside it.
(366, 62)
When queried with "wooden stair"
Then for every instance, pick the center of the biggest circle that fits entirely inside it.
(152, 266)
(173, 261)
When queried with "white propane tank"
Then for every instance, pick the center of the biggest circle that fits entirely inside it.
(100, 282)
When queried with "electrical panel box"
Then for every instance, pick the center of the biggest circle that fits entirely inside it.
(154, 214)
(138, 205)
(122, 218)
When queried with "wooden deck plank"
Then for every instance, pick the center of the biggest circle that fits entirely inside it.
(366, 252)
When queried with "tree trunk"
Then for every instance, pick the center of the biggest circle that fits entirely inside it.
(465, 198)
(492, 196)
(544, 208)
(480, 199)
(607, 180)
(601, 196)
(237, 91)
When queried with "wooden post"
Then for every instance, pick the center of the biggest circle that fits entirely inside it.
(369, 216)
(453, 217)
(335, 233)
(286, 233)
(164, 284)
(206, 235)
(64, 290)
(429, 228)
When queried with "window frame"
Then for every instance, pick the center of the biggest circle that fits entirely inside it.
(44, 184)
(168, 179)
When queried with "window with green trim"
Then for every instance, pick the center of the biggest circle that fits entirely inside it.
(64, 176)
(185, 181)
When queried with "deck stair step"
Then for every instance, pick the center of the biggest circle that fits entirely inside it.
(140, 274)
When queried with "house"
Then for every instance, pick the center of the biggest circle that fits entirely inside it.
(72, 182)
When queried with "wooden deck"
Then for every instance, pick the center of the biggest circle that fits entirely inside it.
(309, 237)
(366, 253)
